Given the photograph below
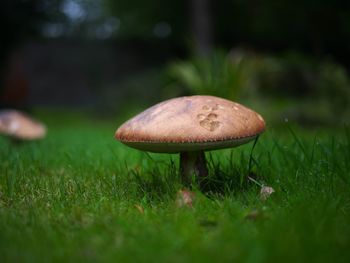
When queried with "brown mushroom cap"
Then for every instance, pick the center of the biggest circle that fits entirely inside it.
(20, 126)
(190, 124)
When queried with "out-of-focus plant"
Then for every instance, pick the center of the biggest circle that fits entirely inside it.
(228, 76)
(318, 90)
(292, 85)
(291, 75)
(334, 86)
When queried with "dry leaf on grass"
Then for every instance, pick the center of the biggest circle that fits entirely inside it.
(185, 198)
(265, 192)
(139, 208)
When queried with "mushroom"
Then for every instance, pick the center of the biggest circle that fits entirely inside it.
(189, 126)
(20, 126)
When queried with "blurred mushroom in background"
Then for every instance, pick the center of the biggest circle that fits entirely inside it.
(20, 127)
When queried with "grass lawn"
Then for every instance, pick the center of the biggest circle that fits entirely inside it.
(80, 195)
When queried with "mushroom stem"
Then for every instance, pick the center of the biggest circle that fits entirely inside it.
(193, 166)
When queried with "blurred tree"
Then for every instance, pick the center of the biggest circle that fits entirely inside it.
(178, 23)
(151, 19)
(319, 27)
(201, 27)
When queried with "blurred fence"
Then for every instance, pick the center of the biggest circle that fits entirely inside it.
(69, 73)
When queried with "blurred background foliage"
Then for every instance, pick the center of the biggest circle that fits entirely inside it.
(288, 59)
(290, 86)
(218, 75)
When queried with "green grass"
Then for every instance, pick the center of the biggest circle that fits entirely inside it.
(72, 197)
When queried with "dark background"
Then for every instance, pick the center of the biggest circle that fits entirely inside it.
(108, 55)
